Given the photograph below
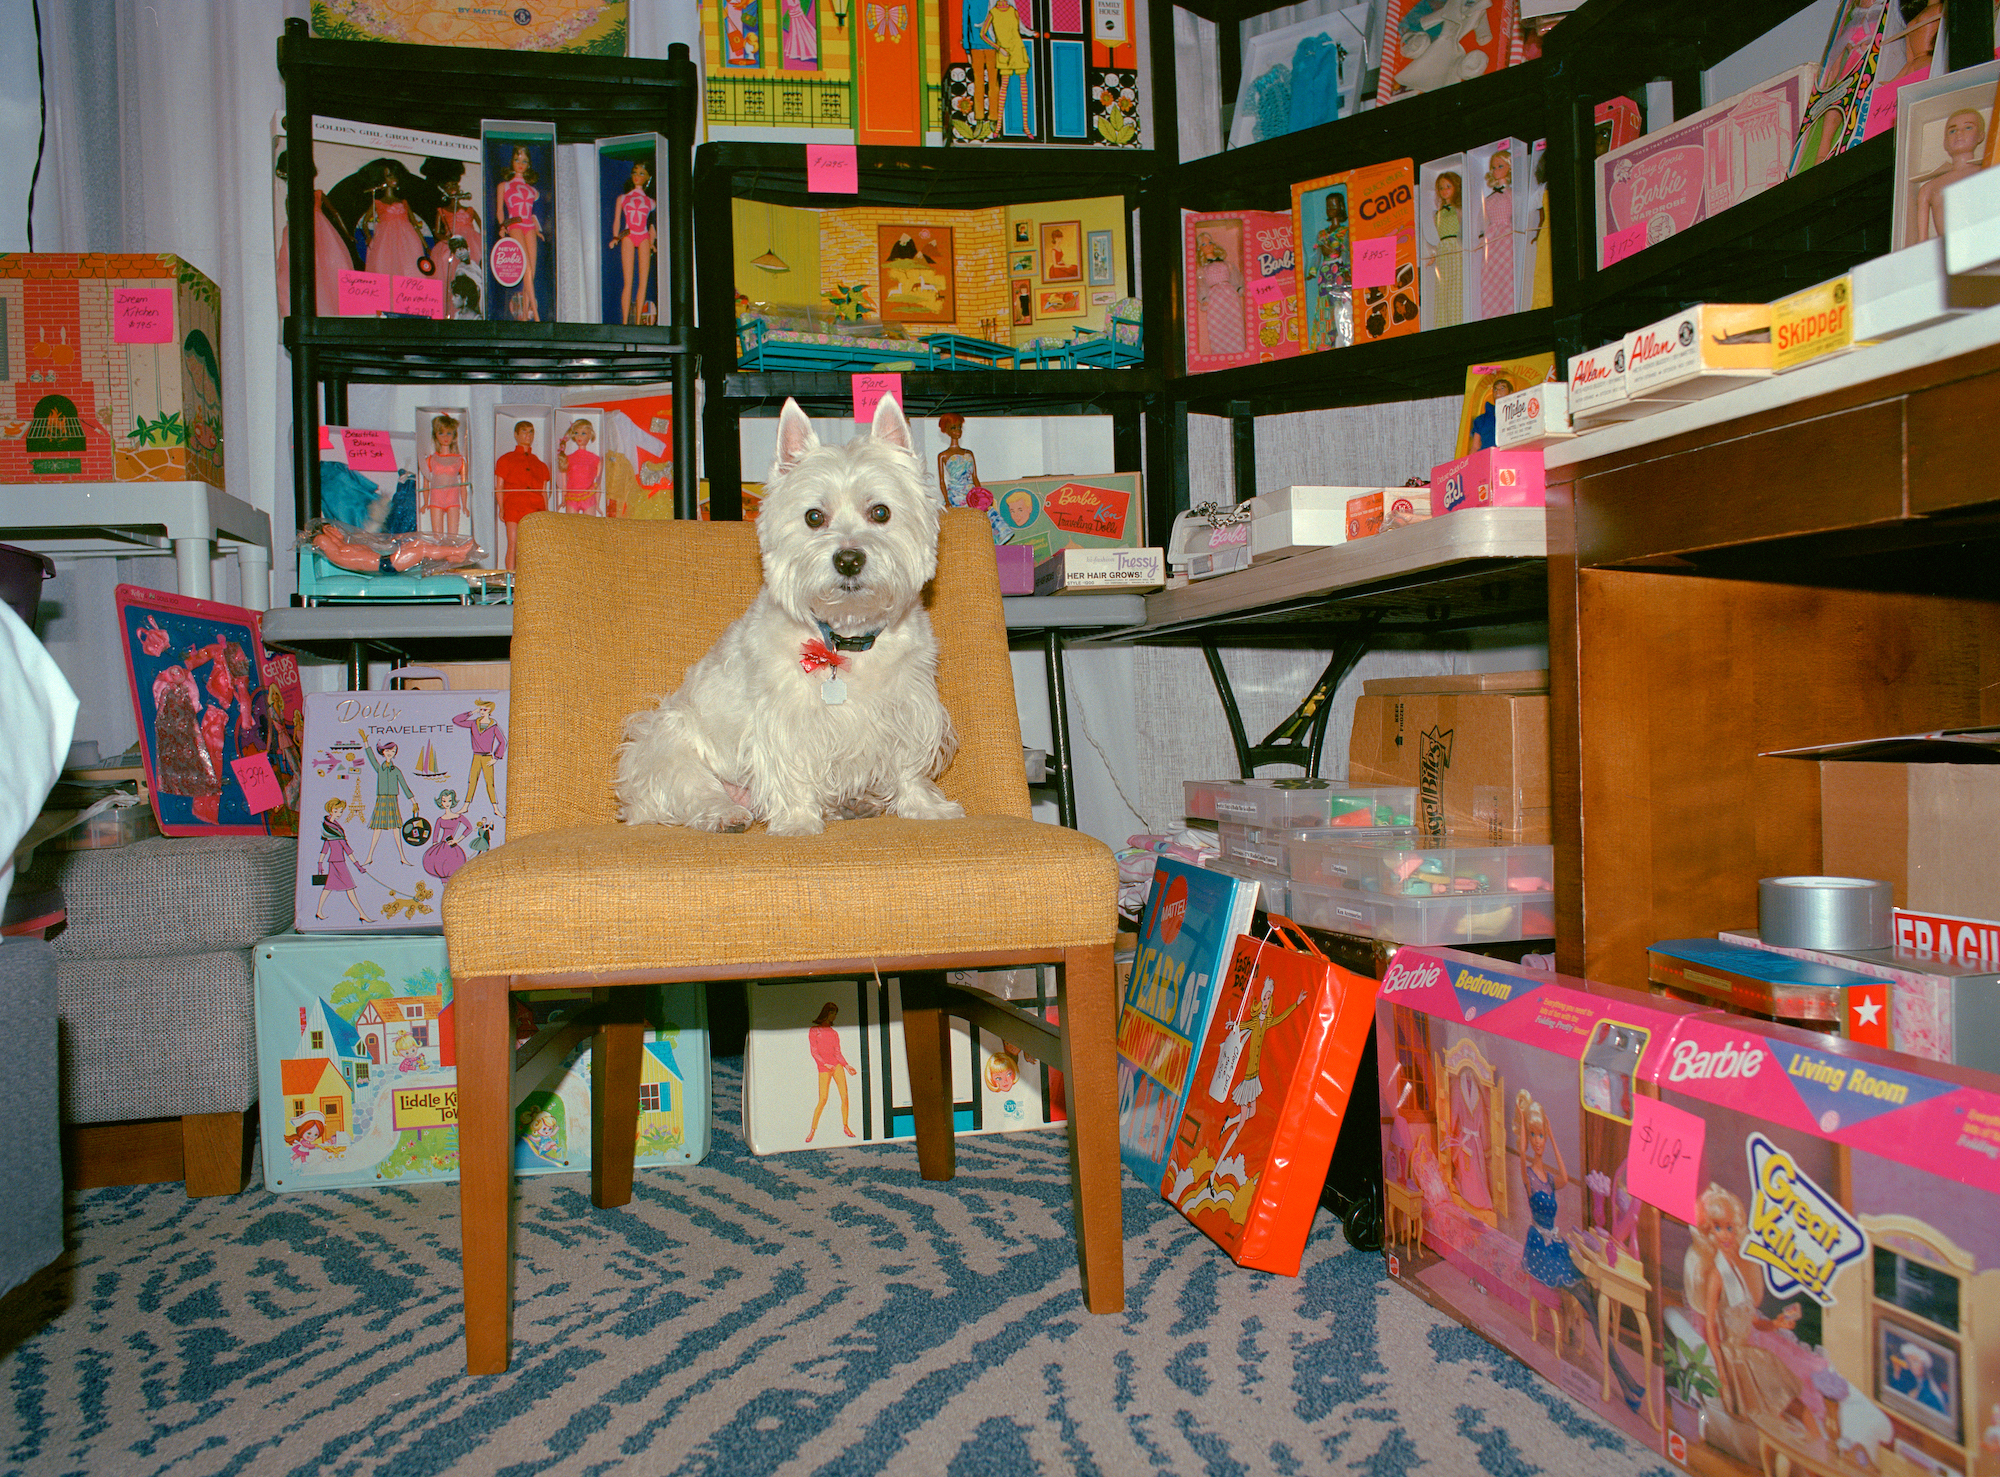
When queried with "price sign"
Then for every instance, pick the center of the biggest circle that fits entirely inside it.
(1375, 262)
(261, 790)
(1663, 1165)
(1620, 244)
(832, 169)
(869, 388)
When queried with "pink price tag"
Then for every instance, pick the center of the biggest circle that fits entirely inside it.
(1621, 244)
(325, 439)
(1375, 262)
(869, 388)
(261, 790)
(423, 295)
(1663, 1165)
(364, 294)
(142, 315)
(832, 169)
(368, 451)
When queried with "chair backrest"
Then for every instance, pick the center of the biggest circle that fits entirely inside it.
(610, 612)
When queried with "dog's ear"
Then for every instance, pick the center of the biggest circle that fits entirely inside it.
(891, 426)
(795, 439)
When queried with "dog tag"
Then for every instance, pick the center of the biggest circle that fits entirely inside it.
(832, 691)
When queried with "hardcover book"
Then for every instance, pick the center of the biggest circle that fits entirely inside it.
(1186, 934)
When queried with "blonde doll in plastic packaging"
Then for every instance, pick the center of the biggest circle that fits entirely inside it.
(578, 466)
(446, 490)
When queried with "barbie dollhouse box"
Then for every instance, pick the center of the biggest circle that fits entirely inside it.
(1752, 1248)
(399, 790)
(112, 369)
(357, 1069)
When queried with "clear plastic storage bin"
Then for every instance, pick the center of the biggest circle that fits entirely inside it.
(1199, 797)
(1472, 918)
(1435, 871)
(1274, 891)
(1299, 804)
(1271, 846)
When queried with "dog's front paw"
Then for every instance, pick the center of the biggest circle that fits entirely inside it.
(927, 804)
(796, 823)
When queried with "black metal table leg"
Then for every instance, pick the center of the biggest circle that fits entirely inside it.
(1059, 753)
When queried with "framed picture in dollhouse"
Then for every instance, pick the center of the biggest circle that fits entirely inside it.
(1062, 251)
(1102, 272)
(917, 272)
(1942, 130)
(1022, 264)
(1024, 233)
(200, 694)
(1060, 304)
(1023, 298)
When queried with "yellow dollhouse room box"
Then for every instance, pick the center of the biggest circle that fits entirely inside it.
(112, 371)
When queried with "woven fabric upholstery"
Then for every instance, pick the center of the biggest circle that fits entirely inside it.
(30, 1151)
(156, 1038)
(571, 890)
(610, 612)
(172, 895)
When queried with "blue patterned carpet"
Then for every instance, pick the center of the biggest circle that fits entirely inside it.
(822, 1313)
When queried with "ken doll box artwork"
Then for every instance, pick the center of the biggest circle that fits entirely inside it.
(1752, 1248)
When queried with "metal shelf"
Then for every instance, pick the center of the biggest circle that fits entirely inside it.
(932, 179)
(967, 391)
(405, 350)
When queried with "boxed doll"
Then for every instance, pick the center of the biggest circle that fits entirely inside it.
(1443, 230)
(628, 168)
(519, 159)
(1500, 228)
(112, 369)
(1743, 1245)
(1383, 246)
(1242, 289)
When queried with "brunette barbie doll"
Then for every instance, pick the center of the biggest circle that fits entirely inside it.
(515, 202)
(1447, 280)
(632, 236)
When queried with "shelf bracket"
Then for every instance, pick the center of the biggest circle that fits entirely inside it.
(1301, 737)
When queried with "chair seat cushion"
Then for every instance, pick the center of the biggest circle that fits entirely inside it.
(605, 897)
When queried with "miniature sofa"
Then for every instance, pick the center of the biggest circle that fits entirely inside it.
(158, 1034)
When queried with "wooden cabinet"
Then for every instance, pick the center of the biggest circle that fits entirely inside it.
(1821, 565)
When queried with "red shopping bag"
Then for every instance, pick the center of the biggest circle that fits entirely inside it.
(1270, 1089)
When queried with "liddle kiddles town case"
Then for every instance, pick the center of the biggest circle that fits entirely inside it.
(401, 789)
(357, 1070)
(1750, 1247)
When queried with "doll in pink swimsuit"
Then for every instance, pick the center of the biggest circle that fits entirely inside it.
(445, 490)
(516, 200)
(578, 465)
(633, 238)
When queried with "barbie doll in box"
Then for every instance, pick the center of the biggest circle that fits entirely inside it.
(1757, 1380)
(515, 205)
(445, 488)
(1447, 278)
(632, 238)
(1496, 272)
(579, 465)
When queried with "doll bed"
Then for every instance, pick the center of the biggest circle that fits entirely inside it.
(763, 345)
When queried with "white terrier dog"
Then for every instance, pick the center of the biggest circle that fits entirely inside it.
(821, 700)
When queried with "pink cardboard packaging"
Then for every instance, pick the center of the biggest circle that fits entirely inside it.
(1730, 1240)
(1489, 479)
(1017, 568)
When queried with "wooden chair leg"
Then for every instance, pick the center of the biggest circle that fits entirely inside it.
(614, 1098)
(1089, 1008)
(927, 1043)
(485, 1030)
(215, 1152)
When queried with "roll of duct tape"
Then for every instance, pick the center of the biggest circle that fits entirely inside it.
(1824, 912)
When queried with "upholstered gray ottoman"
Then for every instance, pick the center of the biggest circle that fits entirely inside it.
(30, 1163)
(154, 982)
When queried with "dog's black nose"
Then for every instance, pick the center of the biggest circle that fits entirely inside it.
(849, 562)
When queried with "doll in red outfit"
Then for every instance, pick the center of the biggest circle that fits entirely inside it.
(520, 484)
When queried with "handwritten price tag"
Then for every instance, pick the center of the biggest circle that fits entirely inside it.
(364, 294)
(1663, 1166)
(368, 451)
(1621, 244)
(1375, 262)
(261, 790)
(423, 295)
(869, 388)
(142, 315)
(832, 169)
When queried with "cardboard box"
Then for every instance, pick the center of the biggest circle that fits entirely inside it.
(1536, 416)
(1100, 510)
(1386, 508)
(1806, 1213)
(1532, 681)
(119, 377)
(1814, 324)
(1902, 810)
(1082, 571)
(1017, 569)
(1599, 391)
(1296, 520)
(1382, 238)
(1910, 289)
(1450, 745)
(1698, 352)
(1489, 479)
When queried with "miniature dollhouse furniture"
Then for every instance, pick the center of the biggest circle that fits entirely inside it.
(1120, 344)
(1621, 1290)
(1402, 1216)
(576, 898)
(159, 1052)
(1472, 1131)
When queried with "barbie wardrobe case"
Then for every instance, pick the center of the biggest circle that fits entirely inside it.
(400, 789)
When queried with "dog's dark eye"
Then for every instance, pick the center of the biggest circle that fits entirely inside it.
(815, 517)
(879, 513)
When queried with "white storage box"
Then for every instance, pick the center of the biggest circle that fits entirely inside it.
(1296, 520)
(1536, 416)
(1599, 390)
(1910, 289)
(1081, 571)
(1700, 351)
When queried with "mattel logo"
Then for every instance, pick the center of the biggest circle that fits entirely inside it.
(1730, 1061)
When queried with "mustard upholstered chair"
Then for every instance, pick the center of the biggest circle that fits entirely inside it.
(608, 613)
